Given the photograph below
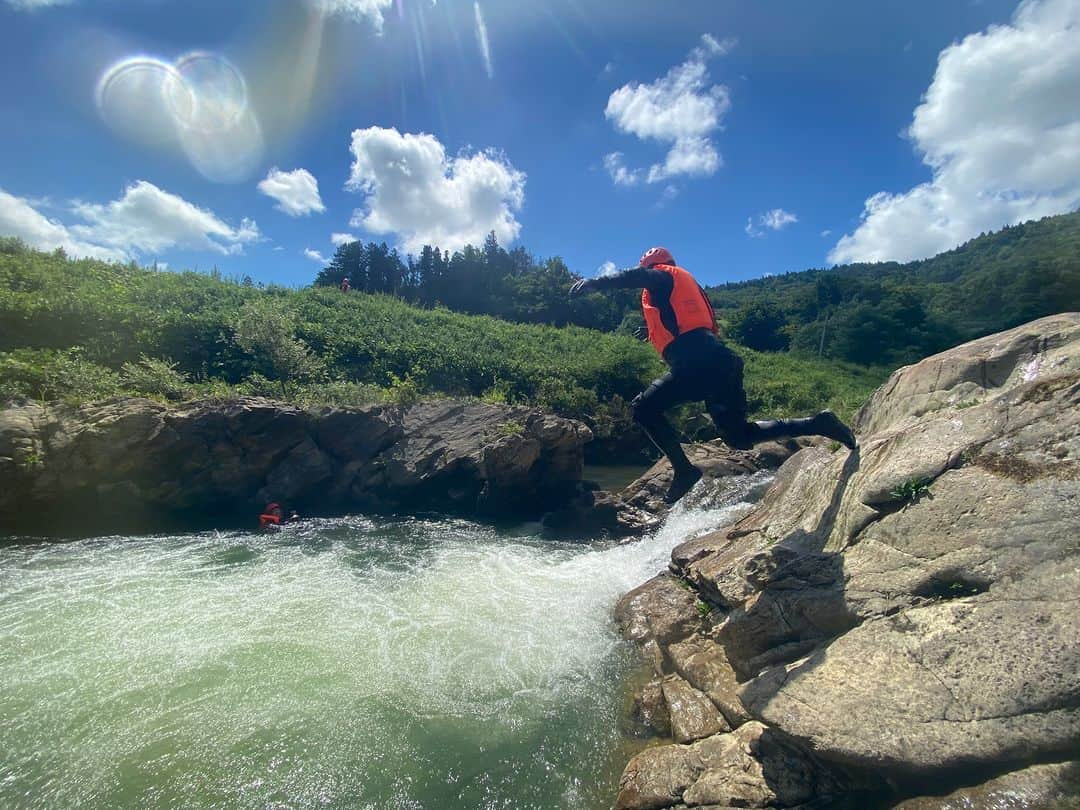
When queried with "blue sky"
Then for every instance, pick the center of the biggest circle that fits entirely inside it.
(749, 138)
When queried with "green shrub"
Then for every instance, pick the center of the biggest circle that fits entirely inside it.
(403, 392)
(511, 428)
(48, 374)
(156, 378)
(910, 491)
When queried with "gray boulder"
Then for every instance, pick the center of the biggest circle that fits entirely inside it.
(664, 610)
(946, 613)
(693, 716)
(752, 766)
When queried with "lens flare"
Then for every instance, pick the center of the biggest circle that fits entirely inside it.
(219, 132)
(219, 90)
(200, 103)
(137, 97)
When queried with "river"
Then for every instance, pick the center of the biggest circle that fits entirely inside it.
(352, 663)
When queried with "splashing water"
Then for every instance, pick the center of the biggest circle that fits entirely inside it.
(343, 663)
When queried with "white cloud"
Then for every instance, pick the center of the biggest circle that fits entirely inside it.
(144, 221)
(339, 239)
(774, 220)
(296, 192)
(825, 233)
(26, 5)
(608, 268)
(18, 217)
(620, 175)
(711, 46)
(371, 10)
(683, 108)
(778, 218)
(415, 191)
(482, 41)
(669, 193)
(148, 220)
(999, 128)
(314, 255)
(696, 157)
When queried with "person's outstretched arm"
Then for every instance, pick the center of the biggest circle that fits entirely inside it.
(657, 282)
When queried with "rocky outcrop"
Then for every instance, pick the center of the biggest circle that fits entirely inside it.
(640, 506)
(135, 463)
(1047, 787)
(753, 766)
(906, 611)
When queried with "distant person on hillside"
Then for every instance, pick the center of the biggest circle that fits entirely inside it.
(681, 325)
(345, 286)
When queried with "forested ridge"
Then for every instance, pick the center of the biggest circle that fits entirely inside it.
(885, 313)
(898, 313)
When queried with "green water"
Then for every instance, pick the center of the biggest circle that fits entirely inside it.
(342, 663)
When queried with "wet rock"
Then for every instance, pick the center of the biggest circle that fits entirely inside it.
(650, 710)
(597, 512)
(752, 766)
(704, 665)
(715, 459)
(693, 716)
(662, 610)
(657, 777)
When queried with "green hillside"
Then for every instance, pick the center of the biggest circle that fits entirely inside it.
(84, 329)
(897, 313)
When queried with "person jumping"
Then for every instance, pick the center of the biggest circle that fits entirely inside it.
(682, 327)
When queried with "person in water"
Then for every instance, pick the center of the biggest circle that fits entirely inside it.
(682, 327)
(271, 517)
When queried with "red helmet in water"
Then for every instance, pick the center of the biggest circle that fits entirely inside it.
(656, 255)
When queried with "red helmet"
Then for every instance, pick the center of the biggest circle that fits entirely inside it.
(656, 255)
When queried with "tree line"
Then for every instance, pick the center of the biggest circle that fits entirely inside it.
(489, 280)
(870, 314)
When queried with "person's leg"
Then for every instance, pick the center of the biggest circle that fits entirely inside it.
(825, 424)
(727, 408)
(648, 411)
(726, 403)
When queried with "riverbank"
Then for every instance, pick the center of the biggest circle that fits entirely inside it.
(137, 465)
(887, 623)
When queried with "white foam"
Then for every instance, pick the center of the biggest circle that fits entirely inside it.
(330, 640)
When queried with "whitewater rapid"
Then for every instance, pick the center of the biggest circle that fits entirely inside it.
(347, 663)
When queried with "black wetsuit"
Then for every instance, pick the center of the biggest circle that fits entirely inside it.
(702, 369)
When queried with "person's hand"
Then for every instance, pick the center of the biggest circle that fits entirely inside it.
(642, 333)
(581, 286)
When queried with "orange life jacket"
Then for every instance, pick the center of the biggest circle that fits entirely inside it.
(689, 302)
(269, 520)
